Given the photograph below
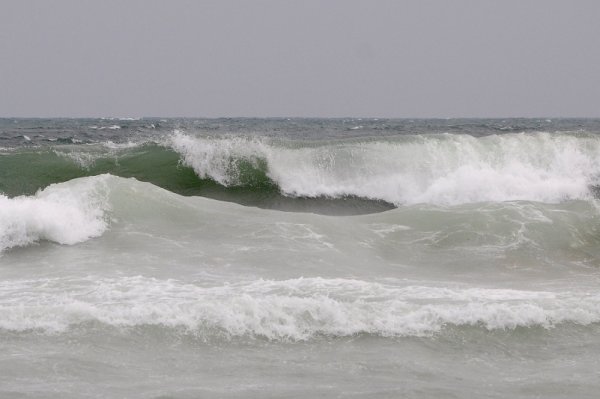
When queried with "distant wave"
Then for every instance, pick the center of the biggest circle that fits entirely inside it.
(297, 309)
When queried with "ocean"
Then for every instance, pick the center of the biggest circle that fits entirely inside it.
(299, 258)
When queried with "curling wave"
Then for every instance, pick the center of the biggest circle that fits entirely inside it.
(74, 211)
(65, 213)
(436, 169)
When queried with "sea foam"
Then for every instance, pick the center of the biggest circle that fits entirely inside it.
(65, 213)
(296, 309)
(435, 169)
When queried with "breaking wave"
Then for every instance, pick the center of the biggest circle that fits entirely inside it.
(297, 309)
(438, 169)
(65, 213)
(83, 208)
(435, 169)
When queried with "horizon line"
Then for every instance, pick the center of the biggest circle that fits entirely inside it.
(301, 117)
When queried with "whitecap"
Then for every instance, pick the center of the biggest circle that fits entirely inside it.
(296, 309)
(437, 169)
(65, 213)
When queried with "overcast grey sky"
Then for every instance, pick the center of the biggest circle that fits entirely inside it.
(322, 58)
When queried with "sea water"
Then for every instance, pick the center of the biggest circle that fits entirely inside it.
(186, 258)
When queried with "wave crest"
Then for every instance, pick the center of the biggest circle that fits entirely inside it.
(65, 213)
(297, 309)
(437, 169)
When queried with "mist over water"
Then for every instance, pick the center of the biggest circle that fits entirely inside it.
(227, 258)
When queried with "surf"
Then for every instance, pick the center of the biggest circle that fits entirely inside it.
(434, 169)
(128, 212)
(67, 213)
(300, 309)
(334, 176)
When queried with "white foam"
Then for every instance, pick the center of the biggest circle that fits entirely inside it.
(297, 309)
(384, 229)
(438, 169)
(83, 159)
(111, 127)
(217, 159)
(65, 213)
(120, 146)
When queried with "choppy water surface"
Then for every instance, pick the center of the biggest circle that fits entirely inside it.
(299, 258)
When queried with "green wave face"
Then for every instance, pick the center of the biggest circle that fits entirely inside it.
(25, 171)
(344, 176)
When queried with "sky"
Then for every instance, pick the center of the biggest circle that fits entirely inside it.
(302, 58)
